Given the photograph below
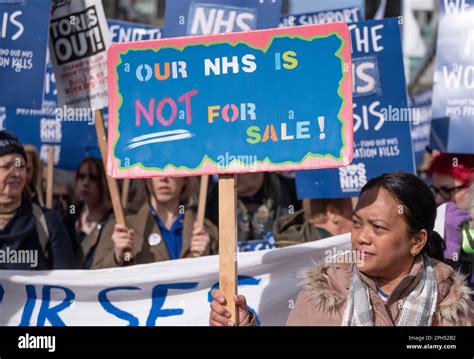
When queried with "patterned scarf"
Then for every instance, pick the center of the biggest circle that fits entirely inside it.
(417, 309)
(255, 225)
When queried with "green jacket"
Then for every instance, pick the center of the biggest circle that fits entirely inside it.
(294, 229)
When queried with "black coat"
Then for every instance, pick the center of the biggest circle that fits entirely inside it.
(21, 234)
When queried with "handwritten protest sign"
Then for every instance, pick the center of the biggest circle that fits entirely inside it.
(206, 17)
(452, 126)
(23, 44)
(382, 138)
(348, 15)
(221, 104)
(79, 38)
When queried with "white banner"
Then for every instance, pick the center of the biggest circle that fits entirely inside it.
(78, 42)
(159, 294)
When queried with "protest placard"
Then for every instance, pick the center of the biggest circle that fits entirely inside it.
(382, 139)
(348, 15)
(23, 43)
(54, 126)
(453, 92)
(79, 38)
(305, 6)
(220, 104)
(60, 127)
(124, 31)
(206, 17)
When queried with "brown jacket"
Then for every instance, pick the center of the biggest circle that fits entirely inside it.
(323, 298)
(144, 224)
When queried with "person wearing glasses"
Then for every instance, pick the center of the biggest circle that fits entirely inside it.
(31, 237)
(93, 207)
(452, 178)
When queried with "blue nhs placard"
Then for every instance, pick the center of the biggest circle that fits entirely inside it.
(57, 127)
(211, 19)
(24, 26)
(206, 17)
(452, 127)
(382, 139)
(61, 127)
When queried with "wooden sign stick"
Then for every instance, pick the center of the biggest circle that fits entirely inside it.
(201, 212)
(228, 242)
(111, 182)
(49, 177)
(125, 190)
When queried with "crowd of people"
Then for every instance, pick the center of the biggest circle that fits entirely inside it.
(420, 276)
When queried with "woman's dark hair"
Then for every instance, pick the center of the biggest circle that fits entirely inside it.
(96, 163)
(419, 206)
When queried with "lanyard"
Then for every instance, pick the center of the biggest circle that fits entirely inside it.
(172, 244)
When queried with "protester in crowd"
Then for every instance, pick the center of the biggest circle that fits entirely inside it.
(63, 191)
(455, 233)
(63, 204)
(33, 237)
(319, 218)
(452, 177)
(34, 175)
(91, 210)
(262, 198)
(453, 182)
(164, 228)
(397, 279)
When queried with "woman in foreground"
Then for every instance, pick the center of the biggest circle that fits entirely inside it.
(398, 279)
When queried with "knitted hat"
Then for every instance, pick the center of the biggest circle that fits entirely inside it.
(9, 143)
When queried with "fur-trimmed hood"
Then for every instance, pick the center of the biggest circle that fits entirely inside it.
(457, 303)
(326, 286)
